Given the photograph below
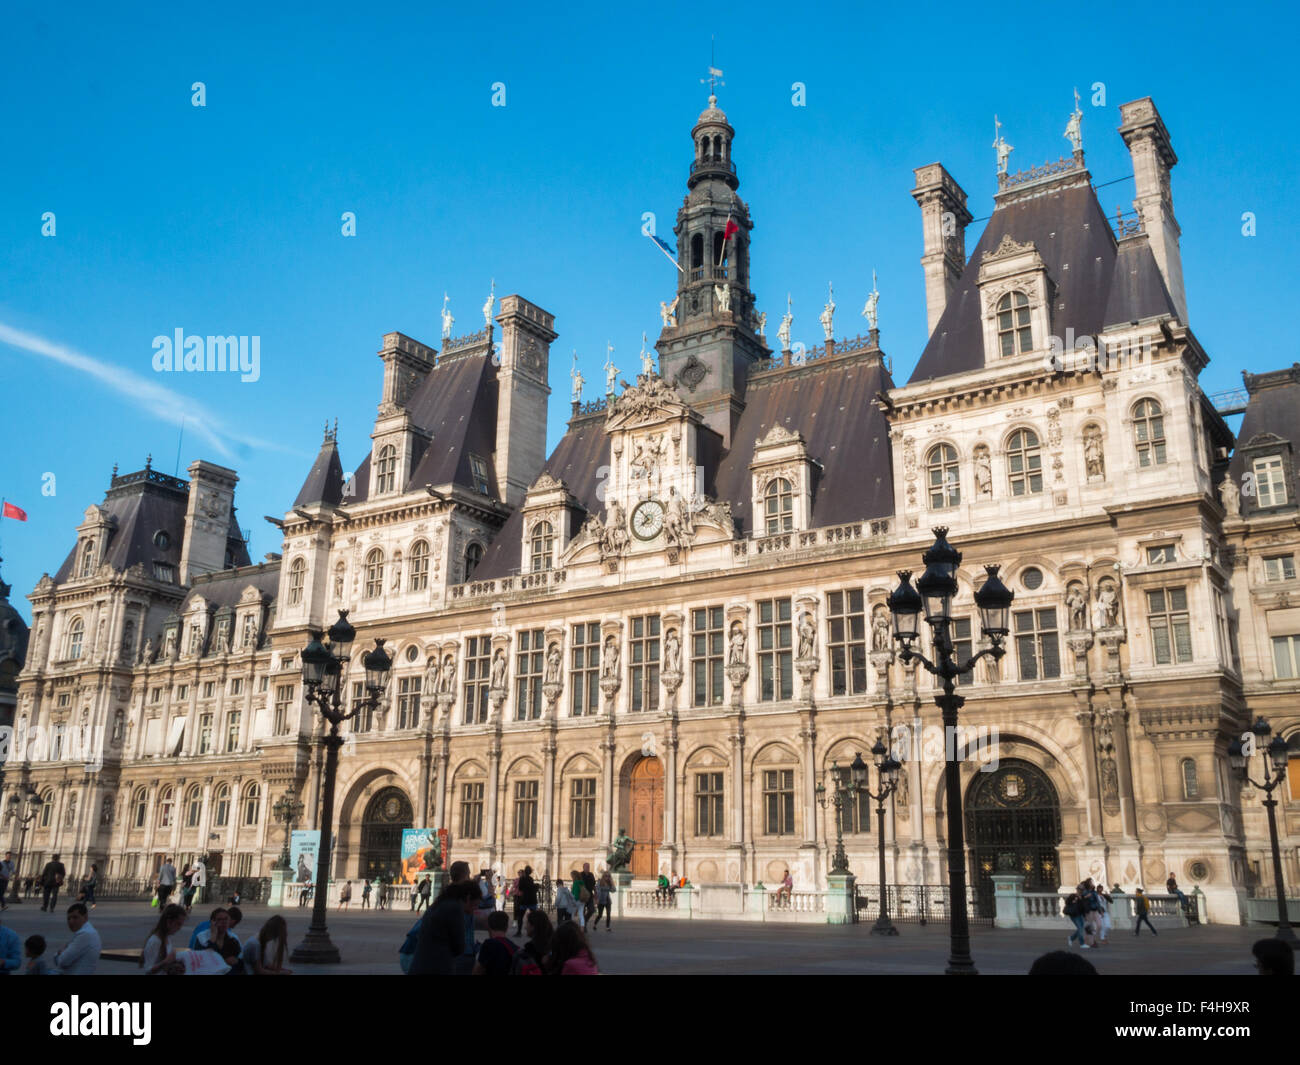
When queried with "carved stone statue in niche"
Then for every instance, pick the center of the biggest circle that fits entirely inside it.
(338, 581)
(447, 683)
(553, 664)
(1094, 459)
(736, 645)
(146, 656)
(1077, 603)
(432, 674)
(1106, 608)
(807, 636)
(499, 669)
(672, 652)
(609, 657)
(1231, 496)
(880, 629)
(983, 472)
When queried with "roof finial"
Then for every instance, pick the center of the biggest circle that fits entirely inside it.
(715, 75)
(1000, 146)
(148, 461)
(1074, 131)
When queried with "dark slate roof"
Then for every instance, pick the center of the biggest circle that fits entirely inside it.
(224, 587)
(831, 403)
(1271, 424)
(1102, 286)
(324, 483)
(456, 404)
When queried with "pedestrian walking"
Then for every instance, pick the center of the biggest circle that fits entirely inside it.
(425, 893)
(345, 896)
(382, 903)
(531, 957)
(1142, 910)
(440, 943)
(1091, 911)
(52, 877)
(1074, 910)
(365, 895)
(263, 955)
(1107, 923)
(525, 897)
(588, 882)
(80, 955)
(159, 954)
(571, 954)
(37, 963)
(89, 885)
(6, 874)
(581, 896)
(187, 888)
(489, 900)
(166, 881)
(564, 903)
(604, 896)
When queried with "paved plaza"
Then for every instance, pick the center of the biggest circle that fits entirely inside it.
(369, 941)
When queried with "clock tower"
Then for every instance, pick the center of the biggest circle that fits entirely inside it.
(711, 339)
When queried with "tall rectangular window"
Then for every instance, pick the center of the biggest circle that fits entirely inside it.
(775, 659)
(205, 734)
(471, 809)
(1270, 481)
(855, 810)
(364, 720)
(408, 702)
(529, 669)
(526, 809)
(1036, 644)
(708, 640)
(1279, 568)
(232, 731)
(478, 675)
(283, 707)
(582, 807)
(778, 802)
(584, 677)
(962, 647)
(709, 812)
(1286, 657)
(847, 618)
(1171, 626)
(209, 689)
(236, 685)
(643, 662)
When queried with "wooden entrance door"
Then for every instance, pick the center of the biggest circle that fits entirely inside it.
(646, 802)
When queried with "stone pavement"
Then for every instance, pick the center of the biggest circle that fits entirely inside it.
(368, 942)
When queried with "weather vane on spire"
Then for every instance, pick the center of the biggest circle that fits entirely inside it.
(715, 75)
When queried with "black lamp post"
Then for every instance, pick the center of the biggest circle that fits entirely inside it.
(887, 768)
(1274, 774)
(322, 674)
(845, 784)
(934, 593)
(287, 810)
(34, 804)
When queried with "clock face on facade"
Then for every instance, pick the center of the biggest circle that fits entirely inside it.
(648, 520)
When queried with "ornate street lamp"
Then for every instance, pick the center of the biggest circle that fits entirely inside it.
(288, 811)
(1274, 773)
(933, 594)
(844, 787)
(14, 812)
(887, 768)
(323, 666)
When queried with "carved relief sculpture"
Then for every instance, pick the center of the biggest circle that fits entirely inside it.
(1094, 460)
(1106, 608)
(807, 636)
(880, 629)
(1230, 494)
(1077, 604)
(736, 646)
(983, 472)
(498, 670)
(447, 682)
(609, 657)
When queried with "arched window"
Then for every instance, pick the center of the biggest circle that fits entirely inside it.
(47, 808)
(252, 804)
(1149, 433)
(1024, 463)
(543, 542)
(76, 635)
(697, 251)
(297, 575)
(166, 807)
(141, 803)
(386, 470)
(419, 566)
(1015, 337)
(374, 574)
(88, 558)
(473, 556)
(778, 506)
(221, 807)
(945, 485)
(1191, 790)
(193, 807)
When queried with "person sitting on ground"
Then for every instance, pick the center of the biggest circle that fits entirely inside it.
(197, 939)
(264, 954)
(219, 938)
(497, 952)
(159, 954)
(530, 959)
(1062, 963)
(11, 953)
(37, 963)
(80, 956)
(1273, 957)
(571, 954)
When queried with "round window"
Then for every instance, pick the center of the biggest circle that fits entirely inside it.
(161, 540)
(1032, 578)
(412, 653)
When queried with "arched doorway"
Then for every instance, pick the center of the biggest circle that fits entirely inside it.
(645, 822)
(387, 814)
(1013, 824)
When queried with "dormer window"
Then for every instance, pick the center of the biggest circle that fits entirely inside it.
(941, 474)
(1149, 433)
(1270, 481)
(88, 558)
(1024, 463)
(479, 471)
(473, 556)
(1015, 335)
(386, 470)
(543, 543)
(778, 506)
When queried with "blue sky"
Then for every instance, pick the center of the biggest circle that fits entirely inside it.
(226, 219)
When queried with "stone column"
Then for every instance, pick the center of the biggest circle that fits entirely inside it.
(1127, 809)
(739, 828)
(440, 802)
(607, 798)
(670, 792)
(426, 763)
(548, 797)
(493, 786)
(1092, 800)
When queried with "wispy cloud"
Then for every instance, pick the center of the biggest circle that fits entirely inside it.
(145, 392)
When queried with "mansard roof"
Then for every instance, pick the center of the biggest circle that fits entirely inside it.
(1099, 282)
(1271, 424)
(830, 401)
(224, 588)
(456, 404)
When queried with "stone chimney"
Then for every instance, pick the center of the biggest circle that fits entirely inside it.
(1153, 158)
(208, 516)
(526, 335)
(944, 219)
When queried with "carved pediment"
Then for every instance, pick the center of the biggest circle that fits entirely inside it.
(546, 482)
(1009, 247)
(778, 434)
(649, 399)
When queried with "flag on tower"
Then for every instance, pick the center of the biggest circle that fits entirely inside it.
(733, 227)
(11, 511)
(667, 249)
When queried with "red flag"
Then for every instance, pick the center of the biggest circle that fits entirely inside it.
(732, 229)
(11, 511)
